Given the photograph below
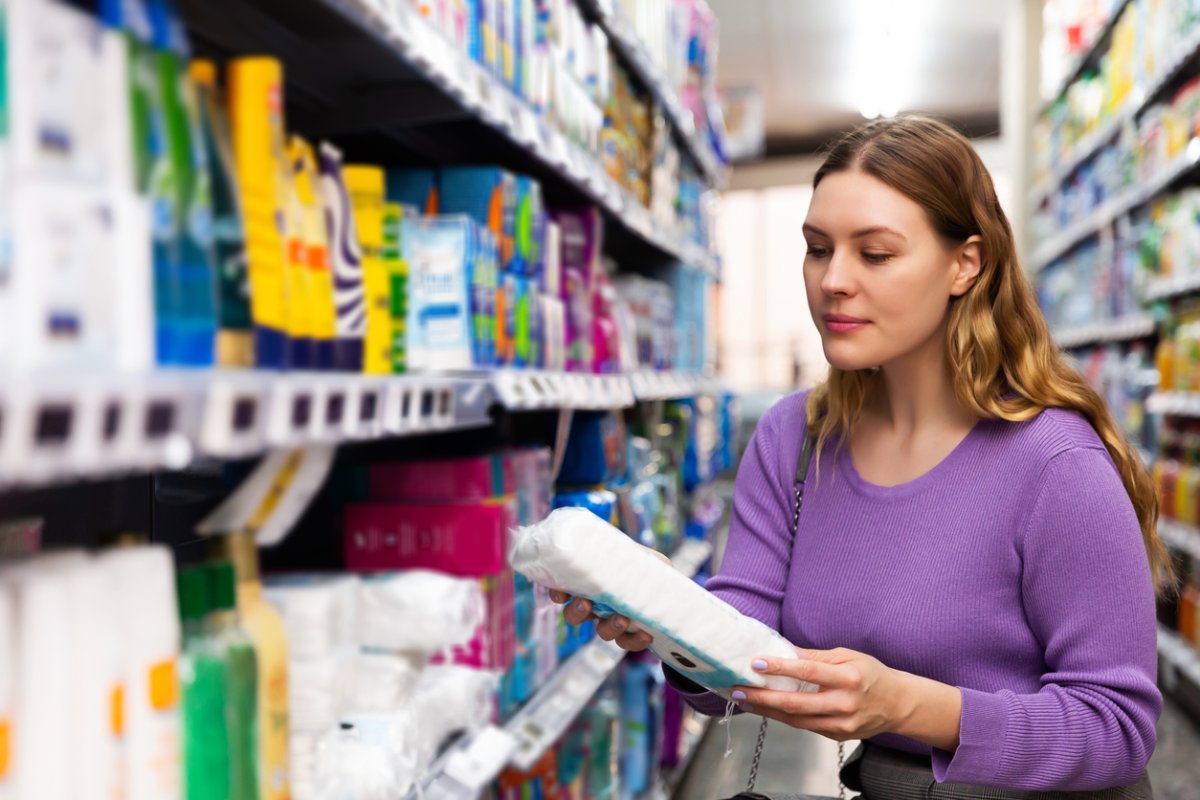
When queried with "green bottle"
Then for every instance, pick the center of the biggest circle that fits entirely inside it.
(241, 698)
(203, 682)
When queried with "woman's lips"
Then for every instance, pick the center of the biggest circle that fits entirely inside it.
(841, 323)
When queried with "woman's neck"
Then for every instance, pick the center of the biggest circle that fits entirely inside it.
(917, 392)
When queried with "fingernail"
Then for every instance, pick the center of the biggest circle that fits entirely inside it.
(619, 624)
(759, 664)
(738, 695)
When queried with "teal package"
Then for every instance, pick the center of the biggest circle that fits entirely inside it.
(414, 187)
(487, 195)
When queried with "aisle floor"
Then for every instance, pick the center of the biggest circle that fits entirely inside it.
(802, 762)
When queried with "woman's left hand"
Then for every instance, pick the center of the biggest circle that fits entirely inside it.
(859, 697)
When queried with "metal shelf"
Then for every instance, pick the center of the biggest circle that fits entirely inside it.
(1174, 404)
(1172, 286)
(1180, 655)
(1180, 536)
(1123, 203)
(1138, 326)
(1140, 99)
(1090, 57)
(467, 767)
(61, 427)
(387, 73)
(634, 54)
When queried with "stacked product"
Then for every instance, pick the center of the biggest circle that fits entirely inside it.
(1145, 38)
(1124, 375)
(1178, 612)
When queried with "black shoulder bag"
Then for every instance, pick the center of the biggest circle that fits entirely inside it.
(806, 453)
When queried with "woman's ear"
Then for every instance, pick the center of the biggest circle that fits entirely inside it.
(967, 263)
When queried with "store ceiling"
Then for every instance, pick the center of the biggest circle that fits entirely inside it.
(811, 60)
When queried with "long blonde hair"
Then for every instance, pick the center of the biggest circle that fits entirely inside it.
(999, 348)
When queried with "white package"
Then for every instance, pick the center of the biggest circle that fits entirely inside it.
(383, 682)
(418, 611)
(369, 757)
(317, 691)
(318, 611)
(450, 699)
(696, 633)
(144, 590)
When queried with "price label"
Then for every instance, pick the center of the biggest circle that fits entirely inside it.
(482, 759)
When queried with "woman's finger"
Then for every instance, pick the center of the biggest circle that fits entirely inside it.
(578, 611)
(609, 629)
(634, 642)
(804, 704)
(559, 597)
(823, 674)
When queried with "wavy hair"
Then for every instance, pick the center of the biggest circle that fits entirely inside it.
(1002, 358)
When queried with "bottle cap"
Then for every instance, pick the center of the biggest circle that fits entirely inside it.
(224, 591)
(192, 587)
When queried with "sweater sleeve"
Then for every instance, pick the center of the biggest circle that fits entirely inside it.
(753, 572)
(1088, 597)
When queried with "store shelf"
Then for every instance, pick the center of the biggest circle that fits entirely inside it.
(1180, 536)
(1180, 656)
(1137, 326)
(1174, 404)
(1140, 99)
(1123, 203)
(372, 55)
(1172, 286)
(650, 385)
(633, 53)
(466, 768)
(1090, 58)
(61, 427)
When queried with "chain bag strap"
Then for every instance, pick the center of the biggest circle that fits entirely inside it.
(806, 452)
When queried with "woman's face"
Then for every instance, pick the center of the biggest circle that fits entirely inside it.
(878, 276)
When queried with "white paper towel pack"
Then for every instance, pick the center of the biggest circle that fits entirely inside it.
(696, 633)
(418, 611)
(318, 611)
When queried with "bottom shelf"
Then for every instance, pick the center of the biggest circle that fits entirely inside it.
(471, 763)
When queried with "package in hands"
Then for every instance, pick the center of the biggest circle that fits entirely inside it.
(695, 633)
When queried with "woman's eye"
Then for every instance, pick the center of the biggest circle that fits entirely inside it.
(877, 258)
(816, 251)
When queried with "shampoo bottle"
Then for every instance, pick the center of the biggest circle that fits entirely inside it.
(241, 688)
(256, 123)
(235, 339)
(366, 187)
(265, 627)
(204, 686)
(346, 259)
(306, 180)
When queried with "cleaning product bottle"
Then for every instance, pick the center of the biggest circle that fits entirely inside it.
(241, 696)
(204, 684)
(187, 315)
(346, 259)
(306, 180)
(397, 269)
(256, 123)
(265, 627)
(235, 338)
(298, 314)
(366, 187)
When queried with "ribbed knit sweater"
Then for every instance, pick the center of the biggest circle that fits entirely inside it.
(1014, 570)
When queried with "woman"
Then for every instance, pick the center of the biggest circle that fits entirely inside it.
(972, 583)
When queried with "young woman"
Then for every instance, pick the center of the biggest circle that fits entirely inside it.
(972, 584)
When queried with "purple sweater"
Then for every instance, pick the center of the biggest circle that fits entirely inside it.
(1014, 570)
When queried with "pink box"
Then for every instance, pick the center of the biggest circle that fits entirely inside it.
(476, 478)
(469, 539)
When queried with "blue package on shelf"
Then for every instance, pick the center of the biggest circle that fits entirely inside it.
(414, 187)
(600, 502)
(487, 195)
(529, 227)
(595, 451)
(440, 252)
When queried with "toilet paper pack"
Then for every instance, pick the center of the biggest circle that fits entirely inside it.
(696, 633)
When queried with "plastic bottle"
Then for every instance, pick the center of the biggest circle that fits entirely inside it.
(265, 627)
(241, 696)
(204, 684)
(235, 337)
(186, 301)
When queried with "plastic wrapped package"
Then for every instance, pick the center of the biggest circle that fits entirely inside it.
(318, 690)
(418, 611)
(694, 632)
(318, 612)
(450, 699)
(369, 757)
(384, 682)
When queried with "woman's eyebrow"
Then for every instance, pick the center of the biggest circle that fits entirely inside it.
(858, 234)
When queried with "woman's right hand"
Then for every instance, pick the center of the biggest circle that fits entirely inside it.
(613, 629)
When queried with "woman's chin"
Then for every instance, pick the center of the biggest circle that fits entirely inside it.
(849, 362)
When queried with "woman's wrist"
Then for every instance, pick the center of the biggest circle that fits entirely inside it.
(926, 710)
